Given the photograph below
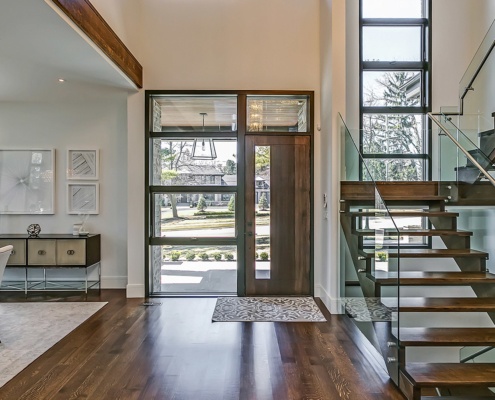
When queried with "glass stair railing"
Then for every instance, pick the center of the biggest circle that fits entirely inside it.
(359, 265)
(476, 85)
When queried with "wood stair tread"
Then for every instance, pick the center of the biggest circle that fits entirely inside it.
(429, 253)
(418, 278)
(385, 197)
(447, 336)
(442, 304)
(404, 213)
(458, 397)
(450, 374)
(416, 232)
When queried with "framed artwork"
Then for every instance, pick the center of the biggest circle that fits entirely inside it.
(27, 181)
(82, 164)
(83, 198)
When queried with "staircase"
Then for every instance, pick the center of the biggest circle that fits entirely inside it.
(454, 381)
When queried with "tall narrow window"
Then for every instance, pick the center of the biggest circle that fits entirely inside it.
(395, 82)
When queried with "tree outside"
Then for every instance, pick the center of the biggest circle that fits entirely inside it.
(263, 203)
(393, 133)
(231, 205)
(202, 206)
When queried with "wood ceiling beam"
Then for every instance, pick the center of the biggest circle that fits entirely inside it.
(85, 16)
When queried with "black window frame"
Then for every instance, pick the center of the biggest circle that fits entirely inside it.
(424, 66)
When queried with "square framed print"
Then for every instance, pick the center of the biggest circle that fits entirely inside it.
(27, 181)
(83, 198)
(83, 164)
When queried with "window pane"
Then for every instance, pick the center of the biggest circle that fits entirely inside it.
(277, 114)
(195, 214)
(175, 163)
(194, 269)
(393, 134)
(393, 9)
(185, 113)
(262, 217)
(391, 88)
(391, 43)
(395, 169)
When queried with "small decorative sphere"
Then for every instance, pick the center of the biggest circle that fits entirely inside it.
(33, 230)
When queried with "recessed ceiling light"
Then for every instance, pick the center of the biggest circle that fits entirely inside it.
(61, 80)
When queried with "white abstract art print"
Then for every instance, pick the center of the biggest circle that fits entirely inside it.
(83, 198)
(82, 164)
(27, 181)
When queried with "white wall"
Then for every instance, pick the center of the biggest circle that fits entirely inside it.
(223, 44)
(99, 121)
(333, 102)
(458, 29)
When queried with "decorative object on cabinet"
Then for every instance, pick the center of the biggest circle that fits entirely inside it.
(28, 181)
(82, 164)
(33, 230)
(83, 198)
(53, 253)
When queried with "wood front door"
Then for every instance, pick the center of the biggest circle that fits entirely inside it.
(278, 215)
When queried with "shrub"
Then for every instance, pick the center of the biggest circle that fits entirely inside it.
(204, 256)
(217, 256)
(256, 255)
(231, 205)
(229, 256)
(263, 203)
(202, 204)
(175, 255)
(264, 256)
(190, 255)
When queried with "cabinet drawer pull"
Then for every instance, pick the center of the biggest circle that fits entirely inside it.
(12, 253)
(41, 252)
(71, 252)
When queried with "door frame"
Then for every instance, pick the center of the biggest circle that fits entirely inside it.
(242, 95)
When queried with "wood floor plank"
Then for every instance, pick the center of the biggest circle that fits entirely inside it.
(173, 351)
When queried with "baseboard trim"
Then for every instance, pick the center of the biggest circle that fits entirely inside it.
(333, 305)
(113, 282)
(135, 290)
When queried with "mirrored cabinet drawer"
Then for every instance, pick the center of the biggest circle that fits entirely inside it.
(18, 255)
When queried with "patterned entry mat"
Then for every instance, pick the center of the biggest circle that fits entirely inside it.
(267, 309)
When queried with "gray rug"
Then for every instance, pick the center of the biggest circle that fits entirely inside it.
(267, 309)
(368, 309)
(27, 330)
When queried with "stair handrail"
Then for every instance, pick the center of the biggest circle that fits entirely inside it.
(477, 354)
(480, 58)
(459, 146)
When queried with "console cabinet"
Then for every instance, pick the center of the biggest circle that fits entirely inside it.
(54, 251)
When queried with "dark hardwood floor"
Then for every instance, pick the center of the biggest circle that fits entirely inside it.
(174, 351)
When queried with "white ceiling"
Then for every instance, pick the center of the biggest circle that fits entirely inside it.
(37, 46)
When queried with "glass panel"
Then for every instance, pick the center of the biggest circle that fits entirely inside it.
(174, 163)
(262, 217)
(392, 43)
(277, 114)
(391, 88)
(195, 269)
(196, 215)
(184, 113)
(403, 223)
(366, 304)
(393, 9)
(393, 134)
(392, 169)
